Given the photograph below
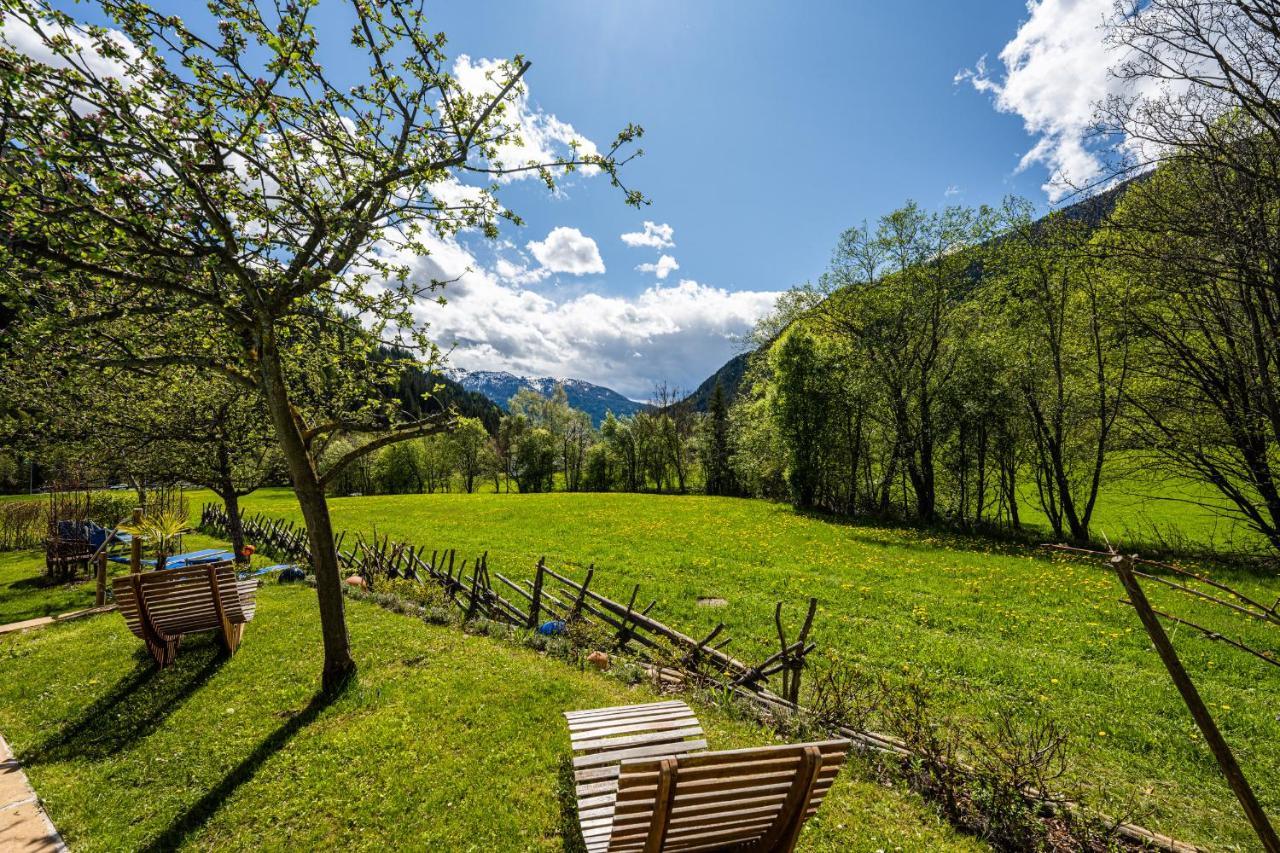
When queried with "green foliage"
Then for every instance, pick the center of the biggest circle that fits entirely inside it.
(800, 411)
(428, 595)
(23, 524)
(471, 449)
(535, 460)
(162, 531)
(398, 469)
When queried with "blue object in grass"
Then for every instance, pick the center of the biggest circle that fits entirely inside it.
(291, 574)
(278, 567)
(195, 558)
(551, 628)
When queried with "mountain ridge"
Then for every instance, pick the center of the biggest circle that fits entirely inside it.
(501, 385)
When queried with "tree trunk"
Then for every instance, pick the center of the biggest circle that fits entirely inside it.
(231, 500)
(338, 663)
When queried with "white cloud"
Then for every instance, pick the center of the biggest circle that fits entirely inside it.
(518, 273)
(953, 190)
(665, 265)
(1056, 68)
(19, 35)
(538, 137)
(676, 333)
(654, 236)
(567, 250)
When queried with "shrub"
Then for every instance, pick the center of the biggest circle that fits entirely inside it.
(23, 524)
(429, 596)
(108, 508)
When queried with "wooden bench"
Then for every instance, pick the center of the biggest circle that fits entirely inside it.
(645, 783)
(160, 607)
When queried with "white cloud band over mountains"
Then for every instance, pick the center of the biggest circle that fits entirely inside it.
(676, 333)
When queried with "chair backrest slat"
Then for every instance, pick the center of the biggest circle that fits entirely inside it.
(753, 797)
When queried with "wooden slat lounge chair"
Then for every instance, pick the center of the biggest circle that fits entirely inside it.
(160, 607)
(644, 783)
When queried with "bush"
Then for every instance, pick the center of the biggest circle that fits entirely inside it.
(998, 778)
(429, 596)
(108, 508)
(23, 524)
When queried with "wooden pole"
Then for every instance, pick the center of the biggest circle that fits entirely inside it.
(582, 592)
(1204, 720)
(100, 596)
(536, 601)
(135, 544)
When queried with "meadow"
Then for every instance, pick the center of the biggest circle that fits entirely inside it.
(983, 625)
(446, 741)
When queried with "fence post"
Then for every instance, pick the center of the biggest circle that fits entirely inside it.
(100, 597)
(1204, 720)
(582, 593)
(536, 605)
(135, 544)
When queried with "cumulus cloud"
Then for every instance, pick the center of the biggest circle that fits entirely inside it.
(654, 236)
(677, 333)
(539, 137)
(567, 250)
(1056, 68)
(664, 267)
(19, 36)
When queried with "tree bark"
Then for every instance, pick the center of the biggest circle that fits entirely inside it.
(231, 500)
(338, 663)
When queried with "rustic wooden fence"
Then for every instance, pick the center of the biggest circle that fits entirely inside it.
(551, 596)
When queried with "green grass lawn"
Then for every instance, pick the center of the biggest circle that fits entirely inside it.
(446, 741)
(984, 625)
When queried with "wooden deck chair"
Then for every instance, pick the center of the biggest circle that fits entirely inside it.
(639, 792)
(160, 607)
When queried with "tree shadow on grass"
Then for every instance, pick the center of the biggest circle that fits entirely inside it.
(570, 831)
(135, 707)
(195, 817)
(39, 582)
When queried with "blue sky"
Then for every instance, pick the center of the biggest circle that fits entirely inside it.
(770, 128)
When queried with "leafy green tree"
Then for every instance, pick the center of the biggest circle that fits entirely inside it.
(893, 295)
(510, 429)
(220, 179)
(470, 442)
(599, 469)
(570, 427)
(398, 469)
(439, 462)
(1197, 241)
(535, 461)
(182, 426)
(1069, 358)
(801, 412)
(619, 436)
